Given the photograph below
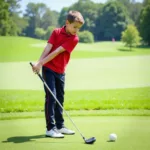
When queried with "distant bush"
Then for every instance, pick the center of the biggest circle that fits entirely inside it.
(39, 32)
(49, 32)
(86, 37)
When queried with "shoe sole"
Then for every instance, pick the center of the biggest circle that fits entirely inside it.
(53, 137)
(68, 133)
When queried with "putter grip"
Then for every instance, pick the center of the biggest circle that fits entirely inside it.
(38, 74)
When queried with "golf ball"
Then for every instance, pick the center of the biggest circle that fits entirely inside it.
(113, 137)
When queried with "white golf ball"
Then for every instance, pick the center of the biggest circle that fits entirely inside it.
(113, 137)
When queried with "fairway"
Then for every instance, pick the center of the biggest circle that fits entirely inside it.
(133, 134)
(93, 74)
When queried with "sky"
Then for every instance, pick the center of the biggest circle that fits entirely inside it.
(56, 4)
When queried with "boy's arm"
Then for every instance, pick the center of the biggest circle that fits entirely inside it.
(43, 60)
(46, 51)
(36, 67)
(52, 55)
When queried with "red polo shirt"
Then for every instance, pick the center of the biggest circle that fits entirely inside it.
(59, 37)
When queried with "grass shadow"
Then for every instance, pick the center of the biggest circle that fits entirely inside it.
(22, 139)
(110, 141)
(143, 46)
(125, 50)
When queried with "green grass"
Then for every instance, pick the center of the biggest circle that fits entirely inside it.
(106, 49)
(83, 74)
(14, 49)
(27, 100)
(108, 112)
(28, 134)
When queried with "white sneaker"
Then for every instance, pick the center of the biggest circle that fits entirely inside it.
(64, 130)
(54, 133)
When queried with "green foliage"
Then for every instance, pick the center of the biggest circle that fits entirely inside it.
(146, 2)
(112, 21)
(135, 10)
(34, 13)
(10, 22)
(4, 18)
(50, 18)
(145, 23)
(22, 23)
(49, 32)
(89, 10)
(39, 16)
(13, 6)
(131, 36)
(63, 15)
(86, 37)
(15, 19)
(40, 33)
(133, 7)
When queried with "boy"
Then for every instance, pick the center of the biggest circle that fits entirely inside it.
(53, 61)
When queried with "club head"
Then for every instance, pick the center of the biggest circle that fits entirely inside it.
(90, 140)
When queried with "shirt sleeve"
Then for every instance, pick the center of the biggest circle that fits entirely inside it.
(52, 38)
(70, 44)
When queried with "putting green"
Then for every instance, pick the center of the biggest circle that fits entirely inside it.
(93, 74)
(28, 134)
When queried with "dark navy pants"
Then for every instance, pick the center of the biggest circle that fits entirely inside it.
(53, 112)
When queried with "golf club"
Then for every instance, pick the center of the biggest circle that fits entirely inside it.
(87, 141)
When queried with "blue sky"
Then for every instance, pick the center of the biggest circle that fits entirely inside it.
(56, 4)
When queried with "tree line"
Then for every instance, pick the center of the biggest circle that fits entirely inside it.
(103, 21)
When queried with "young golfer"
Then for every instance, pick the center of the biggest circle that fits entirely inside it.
(53, 62)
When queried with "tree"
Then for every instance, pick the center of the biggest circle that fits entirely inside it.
(133, 7)
(144, 26)
(131, 36)
(89, 10)
(146, 2)
(49, 18)
(39, 16)
(34, 12)
(13, 6)
(5, 20)
(15, 18)
(7, 25)
(10, 21)
(135, 10)
(112, 21)
(63, 15)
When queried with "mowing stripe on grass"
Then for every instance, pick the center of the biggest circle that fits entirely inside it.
(97, 73)
(31, 100)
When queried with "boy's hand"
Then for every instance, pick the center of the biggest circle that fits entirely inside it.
(37, 67)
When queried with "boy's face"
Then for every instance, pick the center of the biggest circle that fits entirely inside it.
(73, 28)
